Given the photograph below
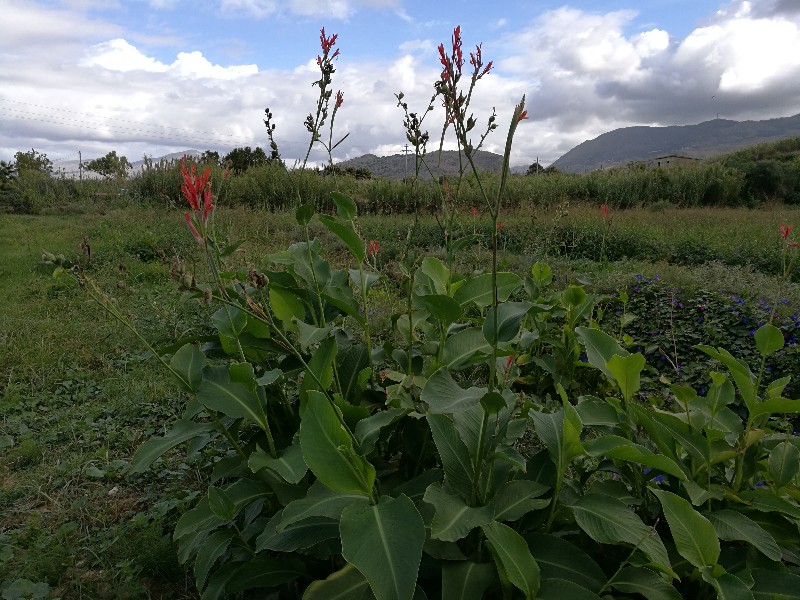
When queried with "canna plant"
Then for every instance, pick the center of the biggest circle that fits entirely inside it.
(470, 453)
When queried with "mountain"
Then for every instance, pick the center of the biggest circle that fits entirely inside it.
(703, 140)
(71, 168)
(399, 166)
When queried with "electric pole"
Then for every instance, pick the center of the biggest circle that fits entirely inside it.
(80, 167)
(405, 151)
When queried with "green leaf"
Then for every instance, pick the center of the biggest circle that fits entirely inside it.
(511, 551)
(320, 501)
(368, 430)
(610, 521)
(319, 375)
(345, 233)
(742, 375)
(304, 214)
(559, 559)
(266, 572)
(229, 321)
(478, 290)
(214, 547)
(516, 498)
(384, 541)
(465, 348)
(188, 362)
(453, 519)
(774, 406)
(784, 463)
(328, 449)
(508, 318)
(345, 205)
(286, 305)
(729, 587)
(444, 395)
(600, 348)
(443, 308)
(562, 589)
(300, 535)
(733, 525)
(626, 371)
(453, 453)
(639, 580)
(220, 504)
(775, 585)
(231, 398)
(693, 534)
(560, 431)
(290, 466)
(153, 448)
(621, 448)
(542, 273)
(769, 339)
(201, 518)
(466, 580)
(345, 584)
(437, 273)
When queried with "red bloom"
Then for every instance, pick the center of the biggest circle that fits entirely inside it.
(197, 191)
(500, 226)
(339, 98)
(193, 229)
(792, 245)
(509, 360)
(522, 116)
(474, 211)
(604, 211)
(373, 248)
(785, 230)
(326, 43)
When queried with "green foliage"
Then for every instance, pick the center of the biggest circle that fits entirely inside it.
(110, 166)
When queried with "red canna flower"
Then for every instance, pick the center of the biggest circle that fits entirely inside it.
(193, 229)
(604, 211)
(522, 116)
(197, 191)
(792, 245)
(373, 248)
(339, 98)
(785, 230)
(509, 360)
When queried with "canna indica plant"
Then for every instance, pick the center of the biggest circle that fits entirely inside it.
(495, 444)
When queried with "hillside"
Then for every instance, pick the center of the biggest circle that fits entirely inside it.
(399, 166)
(703, 140)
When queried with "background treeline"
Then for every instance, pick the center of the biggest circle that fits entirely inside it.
(750, 177)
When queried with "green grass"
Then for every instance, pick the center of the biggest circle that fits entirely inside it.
(78, 394)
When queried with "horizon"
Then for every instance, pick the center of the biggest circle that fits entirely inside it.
(145, 78)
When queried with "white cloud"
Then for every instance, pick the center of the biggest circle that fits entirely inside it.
(119, 55)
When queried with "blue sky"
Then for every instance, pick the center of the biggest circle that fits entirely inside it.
(159, 76)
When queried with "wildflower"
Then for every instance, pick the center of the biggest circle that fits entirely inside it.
(197, 191)
(604, 211)
(326, 43)
(501, 226)
(522, 116)
(474, 212)
(785, 230)
(373, 248)
(509, 361)
(339, 98)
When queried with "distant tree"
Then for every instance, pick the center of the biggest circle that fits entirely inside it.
(110, 166)
(33, 161)
(537, 169)
(210, 157)
(8, 174)
(241, 159)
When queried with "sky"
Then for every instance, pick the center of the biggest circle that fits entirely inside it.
(153, 77)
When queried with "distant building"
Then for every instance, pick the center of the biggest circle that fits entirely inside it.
(669, 162)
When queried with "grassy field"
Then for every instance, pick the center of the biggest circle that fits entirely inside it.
(78, 393)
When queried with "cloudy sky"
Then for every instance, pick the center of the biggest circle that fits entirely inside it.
(159, 76)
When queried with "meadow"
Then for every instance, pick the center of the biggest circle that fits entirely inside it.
(81, 394)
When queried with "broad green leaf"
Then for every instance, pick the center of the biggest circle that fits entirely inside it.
(775, 406)
(775, 388)
(214, 547)
(304, 214)
(610, 521)
(693, 534)
(345, 205)
(229, 321)
(512, 552)
(353, 361)
(453, 519)
(505, 322)
(320, 501)
(478, 290)
(691, 441)
(453, 453)
(290, 465)
(600, 348)
(464, 348)
(201, 518)
(345, 584)
(559, 559)
(444, 395)
(319, 375)
(769, 339)
(729, 587)
(188, 362)
(560, 431)
(220, 504)
(518, 497)
(384, 541)
(308, 335)
(363, 279)
(626, 371)
(231, 398)
(572, 296)
(621, 448)
(441, 307)
(742, 375)
(562, 589)
(328, 449)
(286, 306)
(345, 233)
(266, 572)
(153, 448)
(639, 580)
(367, 430)
(775, 585)
(437, 273)
(302, 534)
(466, 580)
(784, 463)
(733, 525)
(764, 500)
(542, 273)
(473, 430)
(597, 412)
